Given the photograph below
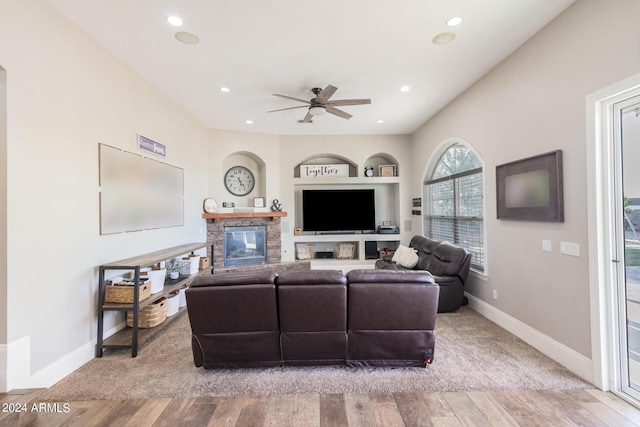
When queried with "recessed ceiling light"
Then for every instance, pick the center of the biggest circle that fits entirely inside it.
(225, 89)
(380, 121)
(454, 21)
(249, 122)
(174, 20)
(405, 89)
(444, 38)
(187, 38)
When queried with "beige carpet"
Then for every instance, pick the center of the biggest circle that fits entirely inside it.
(471, 353)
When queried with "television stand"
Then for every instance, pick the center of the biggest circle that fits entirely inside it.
(325, 244)
(334, 233)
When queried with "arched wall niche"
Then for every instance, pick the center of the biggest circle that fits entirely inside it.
(379, 159)
(327, 158)
(255, 164)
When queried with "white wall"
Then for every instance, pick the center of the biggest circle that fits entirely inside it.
(532, 103)
(3, 206)
(65, 94)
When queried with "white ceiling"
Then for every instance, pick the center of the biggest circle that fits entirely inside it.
(257, 48)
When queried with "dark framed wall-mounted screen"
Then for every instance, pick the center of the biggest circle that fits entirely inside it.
(138, 193)
(531, 189)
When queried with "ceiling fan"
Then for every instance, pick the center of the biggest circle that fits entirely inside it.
(321, 104)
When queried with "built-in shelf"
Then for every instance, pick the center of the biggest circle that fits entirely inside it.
(216, 216)
(366, 251)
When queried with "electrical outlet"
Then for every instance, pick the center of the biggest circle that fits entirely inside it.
(569, 248)
(495, 294)
(546, 246)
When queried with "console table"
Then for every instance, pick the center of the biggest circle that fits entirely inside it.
(131, 337)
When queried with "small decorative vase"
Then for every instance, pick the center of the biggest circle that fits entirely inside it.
(174, 275)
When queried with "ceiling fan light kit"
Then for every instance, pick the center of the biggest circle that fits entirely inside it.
(317, 110)
(321, 104)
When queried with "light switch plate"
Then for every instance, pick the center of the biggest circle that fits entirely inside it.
(546, 246)
(569, 248)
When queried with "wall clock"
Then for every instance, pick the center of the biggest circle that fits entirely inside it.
(239, 181)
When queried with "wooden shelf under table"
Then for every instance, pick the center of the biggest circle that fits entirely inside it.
(122, 338)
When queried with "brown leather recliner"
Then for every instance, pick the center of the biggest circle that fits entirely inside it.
(313, 317)
(234, 320)
(392, 318)
(448, 263)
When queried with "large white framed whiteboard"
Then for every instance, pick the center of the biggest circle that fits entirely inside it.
(138, 193)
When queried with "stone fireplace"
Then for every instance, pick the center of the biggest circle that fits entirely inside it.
(217, 226)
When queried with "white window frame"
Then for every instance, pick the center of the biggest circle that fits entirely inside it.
(433, 162)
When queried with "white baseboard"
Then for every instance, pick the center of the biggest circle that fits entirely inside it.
(15, 364)
(62, 367)
(569, 358)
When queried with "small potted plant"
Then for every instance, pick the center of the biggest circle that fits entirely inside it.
(174, 267)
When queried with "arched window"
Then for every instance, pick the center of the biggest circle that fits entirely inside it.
(453, 202)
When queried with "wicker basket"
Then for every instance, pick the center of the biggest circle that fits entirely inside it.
(345, 250)
(185, 269)
(124, 293)
(150, 316)
(305, 251)
(204, 263)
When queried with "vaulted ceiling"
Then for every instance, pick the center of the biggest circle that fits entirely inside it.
(257, 48)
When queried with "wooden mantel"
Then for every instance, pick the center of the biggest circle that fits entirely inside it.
(216, 216)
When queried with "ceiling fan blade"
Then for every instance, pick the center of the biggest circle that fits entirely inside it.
(337, 112)
(349, 102)
(290, 108)
(308, 118)
(291, 97)
(326, 94)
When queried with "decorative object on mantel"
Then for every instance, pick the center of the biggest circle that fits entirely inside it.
(258, 202)
(317, 171)
(276, 206)
(210, 205)
(243, 209)
(368, 171)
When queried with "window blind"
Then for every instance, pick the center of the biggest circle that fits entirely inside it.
(453, 212)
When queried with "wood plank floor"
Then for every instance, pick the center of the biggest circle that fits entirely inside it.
(504, 408)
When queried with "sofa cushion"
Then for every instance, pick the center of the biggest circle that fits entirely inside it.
(447, 260)
(426, 248)
(311, 277)
(256, 277)
(389, 276)
(312, 301)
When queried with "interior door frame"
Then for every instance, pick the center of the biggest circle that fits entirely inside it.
(603, 192)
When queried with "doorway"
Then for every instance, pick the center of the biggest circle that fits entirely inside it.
(626, 133)
(613, 185)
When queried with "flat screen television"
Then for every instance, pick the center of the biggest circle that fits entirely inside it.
(338, 210)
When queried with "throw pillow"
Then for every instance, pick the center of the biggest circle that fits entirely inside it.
(409, 259)
(397, 255)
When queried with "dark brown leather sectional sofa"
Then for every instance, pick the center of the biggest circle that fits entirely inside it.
(314, 317)
(448, 263)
